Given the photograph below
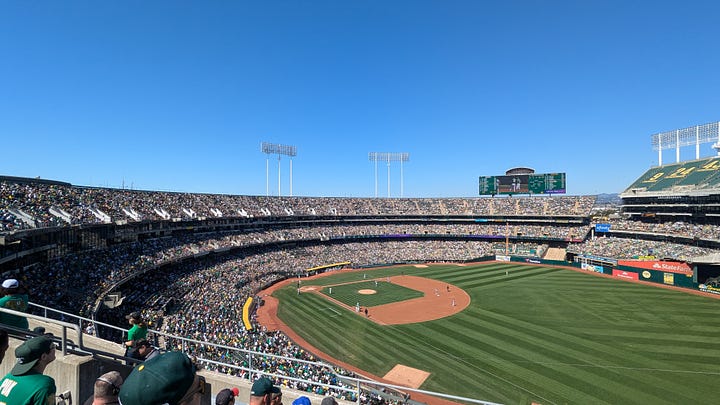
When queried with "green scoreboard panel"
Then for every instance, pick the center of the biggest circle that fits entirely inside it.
(549, 183)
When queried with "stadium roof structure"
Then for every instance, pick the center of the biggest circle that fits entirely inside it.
(691, 178)
(712, 258)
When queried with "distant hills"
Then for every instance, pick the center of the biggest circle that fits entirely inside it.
(610, 199)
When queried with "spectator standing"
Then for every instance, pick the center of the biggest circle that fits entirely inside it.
(137, 331)
(26, 383)
(106, 389)
(15, 298)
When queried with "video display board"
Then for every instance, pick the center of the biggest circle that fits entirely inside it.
(548, 183)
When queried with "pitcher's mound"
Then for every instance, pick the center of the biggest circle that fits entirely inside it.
(407, 376)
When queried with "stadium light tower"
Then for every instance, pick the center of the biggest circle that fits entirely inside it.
(706, 133)
(389, 157)
(279, 150)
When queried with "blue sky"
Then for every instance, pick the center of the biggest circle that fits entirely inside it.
(177, 95)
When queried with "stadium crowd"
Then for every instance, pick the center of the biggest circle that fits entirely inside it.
(184, 291)
(623, 248)
(674, 228)
(35, 205)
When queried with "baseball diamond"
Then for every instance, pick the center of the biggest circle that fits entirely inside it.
(527, 333)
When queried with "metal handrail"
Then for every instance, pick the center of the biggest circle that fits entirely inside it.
(185, 342)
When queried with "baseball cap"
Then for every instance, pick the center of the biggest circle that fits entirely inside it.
(10, 283)
(29, 353)
(225, 397)
(328, 401)
(301, 401)
(164, 379)
(133, 315)
(263, 386)
(142, 342)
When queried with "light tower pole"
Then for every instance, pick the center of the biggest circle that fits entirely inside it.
(389, 157)
(279, 150)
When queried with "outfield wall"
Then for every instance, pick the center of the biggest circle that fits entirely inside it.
(672, 273)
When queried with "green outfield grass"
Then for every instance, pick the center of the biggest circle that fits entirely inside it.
(543, 334)
(385, 293)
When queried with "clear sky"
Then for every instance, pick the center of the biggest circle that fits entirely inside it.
(178, 95)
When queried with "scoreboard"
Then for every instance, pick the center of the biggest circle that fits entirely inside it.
(548, 183)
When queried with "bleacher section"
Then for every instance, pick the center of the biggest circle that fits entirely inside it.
(696, 176)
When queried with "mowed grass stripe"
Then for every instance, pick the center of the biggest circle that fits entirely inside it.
(322, 332)
(476, 375)
(358, 333)
(527, 314)
(564, 354)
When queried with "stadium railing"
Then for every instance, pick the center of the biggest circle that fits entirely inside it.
(354, 385)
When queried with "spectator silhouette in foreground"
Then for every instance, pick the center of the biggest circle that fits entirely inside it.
(106, 389)
(169, 378)
(303, 400)
(226, 396)
(262, 392)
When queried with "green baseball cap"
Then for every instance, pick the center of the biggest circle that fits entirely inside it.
(263, 386)
(162, 380)
(29, 353)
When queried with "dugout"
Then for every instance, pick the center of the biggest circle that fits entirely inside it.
(707, 273)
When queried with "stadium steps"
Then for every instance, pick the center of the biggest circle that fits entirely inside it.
(555, 254)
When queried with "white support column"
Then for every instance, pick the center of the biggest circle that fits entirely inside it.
(388, 167)
(290, 177)
(376, 180)
(267, 176)
(278, 175)
(677, 146)
(401, 179)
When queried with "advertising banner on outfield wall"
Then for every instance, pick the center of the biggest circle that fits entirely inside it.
(591, 267)
(625, 274)
(709, 289)
(664, 266)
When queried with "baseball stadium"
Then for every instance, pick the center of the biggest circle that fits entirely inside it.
(522, 295)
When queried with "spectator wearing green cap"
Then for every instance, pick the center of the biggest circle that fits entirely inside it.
(263, 392)
(26, 384)
(169, 378)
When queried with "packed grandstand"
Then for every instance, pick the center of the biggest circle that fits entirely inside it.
(190, 261)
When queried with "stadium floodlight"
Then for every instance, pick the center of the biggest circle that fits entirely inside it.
(279, 150)
(706, 133)
(389, 157)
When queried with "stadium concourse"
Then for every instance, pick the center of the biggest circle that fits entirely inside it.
(190, 261)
